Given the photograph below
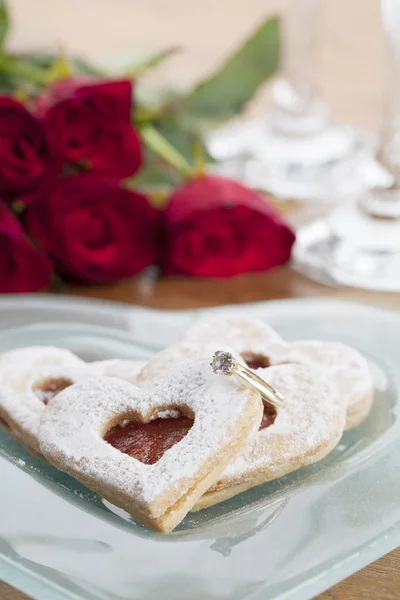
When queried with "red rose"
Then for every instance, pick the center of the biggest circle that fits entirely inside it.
(216, 227)
(26, 161)
(22, 268)
(90, 123)
(94, 230)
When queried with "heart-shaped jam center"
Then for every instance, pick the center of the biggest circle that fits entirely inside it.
(48, 389)
(269, 416)
(256, 361)
(147, 442)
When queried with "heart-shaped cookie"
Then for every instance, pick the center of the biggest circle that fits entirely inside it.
(302, 431)
(31, 377)
(82, 433)
(260, 346)
(338, 375)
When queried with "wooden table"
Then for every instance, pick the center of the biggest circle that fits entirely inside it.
(351, 61)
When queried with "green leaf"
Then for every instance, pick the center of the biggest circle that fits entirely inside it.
(47, 59)
(225, 94)
(166, 150)
(156, 179)
(38, 58)
(87, 68)
(20, 69)
(182, 134)
(153, 104)
(140, 66)
(156, 98)
(8, 84)
(154, 175)
(155, 171)
(149, 62)
(177, 135)
(4, 22)
(60, 69)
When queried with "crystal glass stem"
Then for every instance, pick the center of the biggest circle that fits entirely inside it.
(296, 150)
(298, 108)
(386, 202)
(359, 245)
(389, 152)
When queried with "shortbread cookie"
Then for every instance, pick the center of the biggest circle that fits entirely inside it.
(260, 346)
(208, 335)
(344, 366)
(96, 431)
(302, 431)
(31, 377)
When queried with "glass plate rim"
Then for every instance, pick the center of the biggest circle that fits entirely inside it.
(384, 542)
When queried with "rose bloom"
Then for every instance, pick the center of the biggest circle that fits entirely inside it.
(89, 123)
(95, 230)
(216, 227)
(22, 267)
(26, 161)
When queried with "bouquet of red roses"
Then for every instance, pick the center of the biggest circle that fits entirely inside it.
(75, 200)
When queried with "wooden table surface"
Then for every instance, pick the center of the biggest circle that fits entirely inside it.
(351, 58)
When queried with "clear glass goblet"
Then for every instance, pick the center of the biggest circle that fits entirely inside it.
(359, 245)
(296, 151)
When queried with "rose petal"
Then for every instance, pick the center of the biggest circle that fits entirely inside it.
(22, 267)
(216, 227)
(95, 230)
(26, 159)
(90, 124)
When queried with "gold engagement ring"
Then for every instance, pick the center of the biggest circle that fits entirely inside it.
(224, 363)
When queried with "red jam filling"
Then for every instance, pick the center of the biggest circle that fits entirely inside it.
(269, 416)
(47, 390)
(256, 361)
(147, 442)
(260, 361)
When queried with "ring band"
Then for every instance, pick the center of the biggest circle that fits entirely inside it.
(224, 363)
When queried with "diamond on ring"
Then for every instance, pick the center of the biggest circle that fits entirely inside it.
(223, 363)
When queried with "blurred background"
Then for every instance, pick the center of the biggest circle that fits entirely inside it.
(312, 143)
(112, 31)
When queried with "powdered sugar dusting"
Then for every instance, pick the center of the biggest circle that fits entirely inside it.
(75, 421)
(312, 415)
(326, 379)
(127, 369)
(235, 331)
(167, 414)
(23, 369)
(343, 365)
(346, 367)
(202, 340)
